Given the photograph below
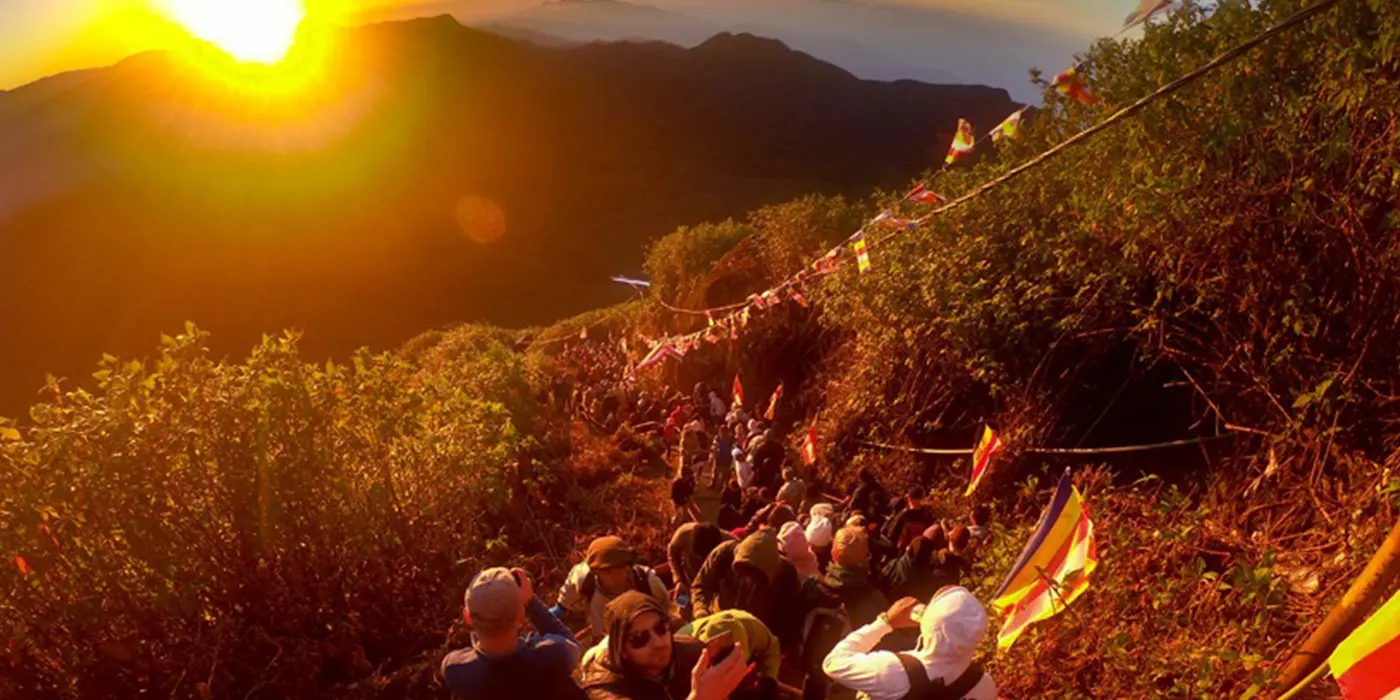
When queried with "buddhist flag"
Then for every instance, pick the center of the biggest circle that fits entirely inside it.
(738, 392)
(773, 403)
(583, 334)
(809, 445)
(982, 457)
(862, 253)
(829, 262)
(1009, 128)
(963, 143)
(1069, 85)
(797, 296)
(1145, 10)
(1054, 568)
(1367, 663)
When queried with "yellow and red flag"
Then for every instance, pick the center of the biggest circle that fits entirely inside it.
(1367, 663)
(1069, 85)
(1054, 568)
(1010, 127)
(809, 445)
(738, 392)
(773, 403)
(22, 565)
(982, 457)
(862, 252)
(963, 143)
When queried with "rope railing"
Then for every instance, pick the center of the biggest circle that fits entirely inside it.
(1119, 449)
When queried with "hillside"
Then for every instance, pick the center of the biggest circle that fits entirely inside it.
(132, 205)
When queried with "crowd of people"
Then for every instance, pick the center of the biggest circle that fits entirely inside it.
(786, 592)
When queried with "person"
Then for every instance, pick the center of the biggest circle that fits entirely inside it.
(916, 572)
(950, 628)
(689, 547)
(959, 557)
(608, 570)
(768, 459)
(723, 456)
(848, 578)
(731, 506)
(750, 575)
(500, 663)
(911, 520)
(795, 547)
(717, 407)
(821, 531)
(868, 494)
(683, 497)
(771, 517)
(641, 659)
(763, 649)
(794, 490)
(743, 469)
(981, 519)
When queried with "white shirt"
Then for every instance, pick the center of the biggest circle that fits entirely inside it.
(879, 675)
(572, 598)
(743, 469)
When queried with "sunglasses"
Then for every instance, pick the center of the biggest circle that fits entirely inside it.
(641, 638)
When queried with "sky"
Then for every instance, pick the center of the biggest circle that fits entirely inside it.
(43, 37)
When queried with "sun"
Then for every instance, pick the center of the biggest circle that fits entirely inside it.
(257, 31)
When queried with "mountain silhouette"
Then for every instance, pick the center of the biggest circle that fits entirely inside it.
(434, 174)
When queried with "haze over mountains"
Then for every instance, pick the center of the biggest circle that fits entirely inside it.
(136, 197)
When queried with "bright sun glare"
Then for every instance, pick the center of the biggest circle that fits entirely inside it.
(260, 31)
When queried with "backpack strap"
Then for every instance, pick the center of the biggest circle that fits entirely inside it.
(962, 685)
(641, 580)
(919, 684)
(587, 588)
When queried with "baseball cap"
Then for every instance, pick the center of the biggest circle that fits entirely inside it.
(493, 597)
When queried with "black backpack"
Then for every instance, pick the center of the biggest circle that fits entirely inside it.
(641, 583)
(921, 688)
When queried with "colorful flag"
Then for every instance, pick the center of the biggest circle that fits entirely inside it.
(1009, 128)
(23, 565)
(744, 317)
(1069, 85)
(963, 143)
(1054, 568)
(710, 318)
(809, 445)
(773, 403)
(862, 253)
(658, 354)
(982, 457)
(797, 296)
(583, 334)
(1367, 663)
(738, 392)
(926, 195)
(828, 263)
(1145, 10)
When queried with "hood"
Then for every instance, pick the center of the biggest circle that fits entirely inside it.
(617, 620)
(760, 550)
(844, 580)
(820, 530)
(952, 626)
(794, 541)
(730, 621)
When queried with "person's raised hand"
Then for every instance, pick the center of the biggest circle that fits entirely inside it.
(901, 614)
(716, 682)
(527, 587)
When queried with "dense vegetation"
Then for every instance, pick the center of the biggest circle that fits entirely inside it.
(1228, 263)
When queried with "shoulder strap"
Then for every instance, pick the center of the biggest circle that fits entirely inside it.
(641, 580)
(964, 684)
(918, 678)
(587, 588)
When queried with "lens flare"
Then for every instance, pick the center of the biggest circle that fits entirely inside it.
(257, 31)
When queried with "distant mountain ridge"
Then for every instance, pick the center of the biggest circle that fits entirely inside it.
(151, 197)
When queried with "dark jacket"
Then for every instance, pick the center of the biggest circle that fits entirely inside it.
(854, 591)
(608, 678)
(542, 666)
(918, 572)
(720, 585)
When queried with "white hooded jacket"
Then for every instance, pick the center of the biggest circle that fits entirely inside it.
(951, 628)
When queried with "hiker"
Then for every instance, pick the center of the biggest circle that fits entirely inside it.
(959, 557)
(683, 498)
(743, 469)
(917, 571)
(501, 664)
(848, 578)
(981, 518)
(722, 454)
(731, 506)
(941, 666)
(794, 489)
(609, 570)
(717, 407)
(911, 520)
(750, 575)
(690, 546)
(821, 531)
(763, 649)
(771, 517)
(641, 659)
(794, 545)
(768, 459)
(868, 494)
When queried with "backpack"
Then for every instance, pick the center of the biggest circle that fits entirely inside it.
(641, 583)
(921, 688)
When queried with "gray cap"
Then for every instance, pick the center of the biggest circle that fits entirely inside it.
(493, 597)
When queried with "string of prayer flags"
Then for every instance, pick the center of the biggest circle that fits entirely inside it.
(1145, 10)
(1367, 663)
(963, 143)
(809, 444)
(862, 253)
(1054, 568)
(828, 263)
(1070, 85)
(982, 457)
(773, 403)
(1009, 128)
(926, 196)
